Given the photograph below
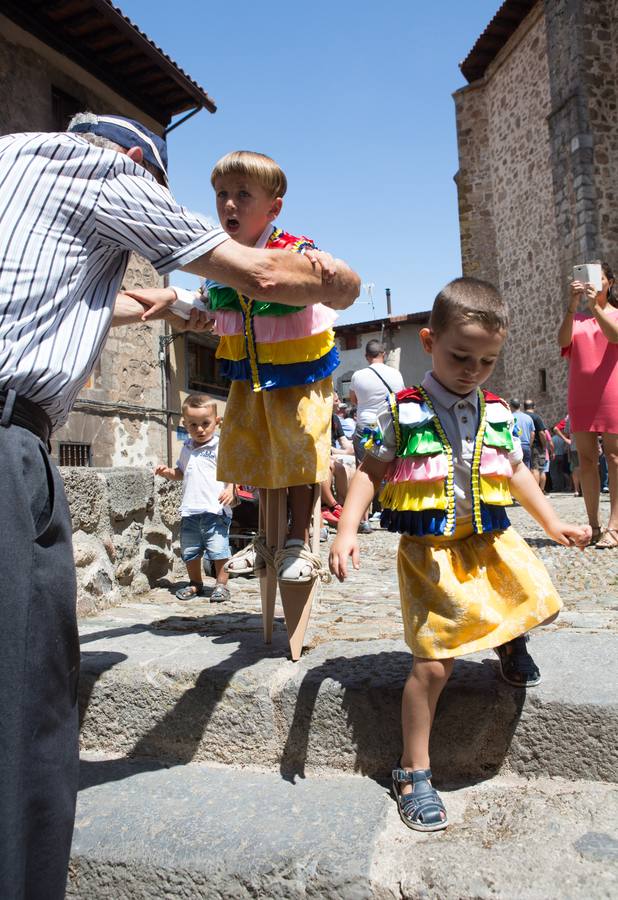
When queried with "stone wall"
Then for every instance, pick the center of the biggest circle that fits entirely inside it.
(128, 372)
(125, 533)
(537, 179)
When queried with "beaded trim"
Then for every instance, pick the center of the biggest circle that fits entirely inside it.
(475, 477)
(392, 401)
(246, 306)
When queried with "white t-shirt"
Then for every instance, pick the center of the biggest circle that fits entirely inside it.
(370, 390)
(198, 463)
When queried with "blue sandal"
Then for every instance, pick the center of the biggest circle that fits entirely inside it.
(516, 665)
(421, 810)
(192, 590)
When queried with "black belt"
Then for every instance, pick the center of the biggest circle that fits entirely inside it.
(18, 410)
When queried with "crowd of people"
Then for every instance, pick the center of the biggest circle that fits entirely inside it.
(447, 456)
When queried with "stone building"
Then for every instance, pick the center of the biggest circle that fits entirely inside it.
(538, 160)
(399, 334)
(57, 59)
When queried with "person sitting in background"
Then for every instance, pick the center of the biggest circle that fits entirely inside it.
(347, 416)
(340, 446)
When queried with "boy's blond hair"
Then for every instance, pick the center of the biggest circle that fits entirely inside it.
(199, 401)
(469, 300)
(254, 166)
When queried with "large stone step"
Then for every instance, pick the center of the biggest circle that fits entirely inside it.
(144, 832)
(184, 689)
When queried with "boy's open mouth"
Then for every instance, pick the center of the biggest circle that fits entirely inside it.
(232, 224)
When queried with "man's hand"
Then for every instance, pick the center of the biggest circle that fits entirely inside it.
(155, 300)
(339, 301)
(323, 260)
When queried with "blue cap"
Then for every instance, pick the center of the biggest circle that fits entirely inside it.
(126, 133)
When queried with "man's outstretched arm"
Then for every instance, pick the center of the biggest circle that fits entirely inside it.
(275, 276)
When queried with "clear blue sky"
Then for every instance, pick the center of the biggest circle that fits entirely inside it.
(354, 102)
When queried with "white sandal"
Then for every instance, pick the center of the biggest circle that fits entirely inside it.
(296, 563)
(247, 561)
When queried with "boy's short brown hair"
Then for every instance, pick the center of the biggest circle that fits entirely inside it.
(255, 166)
(198, 401)
(469, 300)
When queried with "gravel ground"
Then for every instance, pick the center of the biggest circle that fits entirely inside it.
(366, 606)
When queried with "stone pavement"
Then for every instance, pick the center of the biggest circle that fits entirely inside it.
(179, 696)
(366, 606)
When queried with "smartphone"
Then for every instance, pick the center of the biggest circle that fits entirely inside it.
(589, 272)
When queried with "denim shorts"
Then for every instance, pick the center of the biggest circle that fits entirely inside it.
(205, 534)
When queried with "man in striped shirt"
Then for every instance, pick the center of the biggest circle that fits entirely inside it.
(72, 208)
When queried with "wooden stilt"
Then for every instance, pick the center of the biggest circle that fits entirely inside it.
(273, 524)
(297, 599)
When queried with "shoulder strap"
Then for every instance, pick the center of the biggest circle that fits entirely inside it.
(383, 380)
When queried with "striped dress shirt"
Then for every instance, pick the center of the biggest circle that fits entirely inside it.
(70, 214)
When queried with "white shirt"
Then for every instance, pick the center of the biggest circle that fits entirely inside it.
(198, 463)
(370, 390)
(70, 214)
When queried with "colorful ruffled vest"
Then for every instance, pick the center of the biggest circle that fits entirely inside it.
(419, 497)
(272, 345)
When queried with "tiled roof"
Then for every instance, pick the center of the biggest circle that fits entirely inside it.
(506, 21)
(101, 39)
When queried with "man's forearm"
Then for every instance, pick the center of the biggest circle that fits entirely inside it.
(127, 311)
(276, 276)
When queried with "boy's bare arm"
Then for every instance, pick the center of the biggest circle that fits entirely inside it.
(364, 484)
(172, 474)
(526, 490)
(274, 276)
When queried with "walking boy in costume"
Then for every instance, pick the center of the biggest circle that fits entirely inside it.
(279, 357)
(467, 580)
(205, 511)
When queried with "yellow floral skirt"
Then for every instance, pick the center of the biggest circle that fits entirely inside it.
(471, 591)
(278, 438)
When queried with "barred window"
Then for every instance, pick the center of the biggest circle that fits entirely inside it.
(74, 455)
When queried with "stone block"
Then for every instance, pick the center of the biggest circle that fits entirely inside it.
(130, 493)
(149, 832)
(86, 491)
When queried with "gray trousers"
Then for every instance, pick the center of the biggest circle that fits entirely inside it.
(39, 668)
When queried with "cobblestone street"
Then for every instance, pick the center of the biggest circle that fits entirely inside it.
(366, 606)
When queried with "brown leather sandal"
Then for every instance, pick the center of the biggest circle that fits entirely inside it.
(609, 540)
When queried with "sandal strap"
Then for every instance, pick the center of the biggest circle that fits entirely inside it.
(609, 539)
(296, 549)
(403, 777)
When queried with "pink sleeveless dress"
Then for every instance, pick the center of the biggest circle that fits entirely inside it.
(593, 376)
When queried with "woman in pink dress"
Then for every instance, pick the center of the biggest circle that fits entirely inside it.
(590, 341)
